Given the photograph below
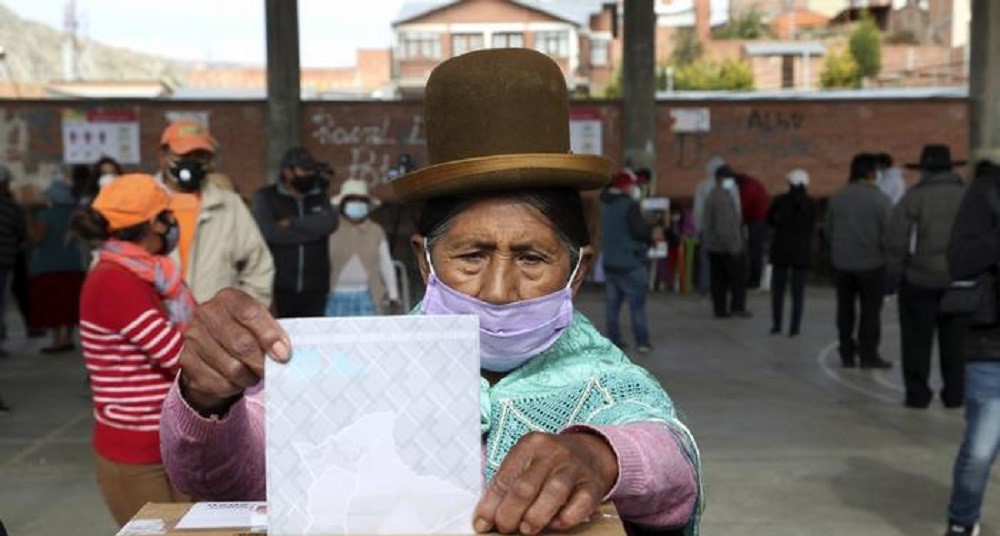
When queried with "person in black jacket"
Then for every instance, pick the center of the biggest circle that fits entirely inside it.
(296, 219)
(973, 250)
(792, 216)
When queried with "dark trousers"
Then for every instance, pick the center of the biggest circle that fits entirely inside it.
(630, 285)
(918, 317)
(299, 304)
(779, 279)
(868, 288)
(19, 288)
(756, 230)
(728, 280)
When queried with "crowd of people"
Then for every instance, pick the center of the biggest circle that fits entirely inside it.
(175, 283)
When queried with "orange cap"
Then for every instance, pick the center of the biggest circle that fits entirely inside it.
(185, 136)
(130, 200)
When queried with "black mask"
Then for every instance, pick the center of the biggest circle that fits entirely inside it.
(305, 183)
(189, 174)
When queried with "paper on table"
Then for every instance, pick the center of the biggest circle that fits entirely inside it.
(222, 515)
(373, 427)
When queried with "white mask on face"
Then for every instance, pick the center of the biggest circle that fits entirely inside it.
(729, 183)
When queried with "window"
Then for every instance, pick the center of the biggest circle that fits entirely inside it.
(508, 40)
(462, 43)
(599, 52)
(421, 46)
(554, 44)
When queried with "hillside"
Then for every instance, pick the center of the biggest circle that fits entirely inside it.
(34, 56)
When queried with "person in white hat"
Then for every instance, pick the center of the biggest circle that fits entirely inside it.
(362, 279)
(792, 218)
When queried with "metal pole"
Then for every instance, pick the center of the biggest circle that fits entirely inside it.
(639, 87)
(984, 75)
(283, 92)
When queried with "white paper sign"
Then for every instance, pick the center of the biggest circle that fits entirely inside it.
(90, 134)
(690, 120)
(374, 427)
(224, 515)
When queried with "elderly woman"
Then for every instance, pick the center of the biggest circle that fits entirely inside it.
(501, 236)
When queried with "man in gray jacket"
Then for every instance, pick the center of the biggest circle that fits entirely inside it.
(856, 219)
(916, 249)
(722, 237)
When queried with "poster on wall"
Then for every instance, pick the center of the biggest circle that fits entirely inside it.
(685, 120)
(585, 132)
(89, 134)
(200, 117)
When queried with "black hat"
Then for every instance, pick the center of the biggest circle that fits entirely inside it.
(724, 172)
(300, 157)
(936, 158)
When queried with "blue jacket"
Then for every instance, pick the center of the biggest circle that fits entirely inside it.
(625, 236)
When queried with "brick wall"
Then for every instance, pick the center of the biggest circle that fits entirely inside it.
(365, 139)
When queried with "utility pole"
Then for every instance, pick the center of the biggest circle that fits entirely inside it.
(283, 92)
(639, 87)
(984, 75)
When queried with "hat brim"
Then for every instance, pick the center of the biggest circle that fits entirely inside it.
(185, 146)
(503, 173)
(952, 164)
(339, 198)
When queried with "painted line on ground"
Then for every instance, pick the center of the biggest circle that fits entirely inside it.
(45, 440)
(822, 359)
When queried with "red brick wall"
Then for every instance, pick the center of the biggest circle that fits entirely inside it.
(365, 139)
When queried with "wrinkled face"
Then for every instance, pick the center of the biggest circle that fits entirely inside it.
(502, 251)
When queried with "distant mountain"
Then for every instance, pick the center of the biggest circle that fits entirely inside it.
(34, 56)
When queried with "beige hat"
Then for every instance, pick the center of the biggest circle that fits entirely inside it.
(987, 153)
(354, 188)
(798, 177)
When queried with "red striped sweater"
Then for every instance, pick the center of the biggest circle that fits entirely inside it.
(132, 353)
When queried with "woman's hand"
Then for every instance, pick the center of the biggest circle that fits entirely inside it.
(548, 480)
(225, 347)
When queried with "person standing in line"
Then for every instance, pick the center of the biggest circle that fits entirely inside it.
(12, 234)
(701, 193)
(220, 243)
(722, 237)
(296, 219)
(754, 202)
(889, 178)
(56, 269)
(362, 279)
(625, 241)
(106, 170)
(972, 252)
(856, 220)
(792, 216)
(133, 311)
(916, 248)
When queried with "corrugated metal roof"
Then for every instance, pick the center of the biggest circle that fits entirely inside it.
(786, 48)
(915, 93)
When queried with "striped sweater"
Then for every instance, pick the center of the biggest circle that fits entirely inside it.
(132, 353)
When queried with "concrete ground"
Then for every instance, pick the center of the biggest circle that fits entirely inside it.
(791, 444)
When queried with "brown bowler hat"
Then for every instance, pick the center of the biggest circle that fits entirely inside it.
(498, 120)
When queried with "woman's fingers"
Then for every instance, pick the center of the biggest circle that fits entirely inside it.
(253, 316)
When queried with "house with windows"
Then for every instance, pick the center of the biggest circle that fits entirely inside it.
(580, 35)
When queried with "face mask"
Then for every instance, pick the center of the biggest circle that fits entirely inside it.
(305, 184)
(171, 237)
(635, 193)
(509, 334)
(189, 174)
(729, 184)
(356, 210)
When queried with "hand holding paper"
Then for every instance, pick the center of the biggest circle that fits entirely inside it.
(225, 349)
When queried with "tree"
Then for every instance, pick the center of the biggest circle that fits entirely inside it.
(748, 24)
(865, 44)
(840, 70)
(712, 75)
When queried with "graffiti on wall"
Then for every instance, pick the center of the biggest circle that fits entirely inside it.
(372, 149)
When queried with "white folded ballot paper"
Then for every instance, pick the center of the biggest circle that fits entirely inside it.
(373, 427)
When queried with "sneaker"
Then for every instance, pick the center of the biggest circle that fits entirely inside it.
(877, 363)
(644, 348)
(957, 529)
(775, 331)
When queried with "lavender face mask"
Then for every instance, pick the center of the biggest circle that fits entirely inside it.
(509, 334)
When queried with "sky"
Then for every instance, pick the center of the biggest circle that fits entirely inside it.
(330, 31)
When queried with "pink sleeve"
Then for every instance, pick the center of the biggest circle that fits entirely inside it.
(657, 485)
(215, 459)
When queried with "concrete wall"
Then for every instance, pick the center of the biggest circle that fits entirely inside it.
(365, 139)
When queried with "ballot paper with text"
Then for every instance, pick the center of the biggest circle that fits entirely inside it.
(373, 427)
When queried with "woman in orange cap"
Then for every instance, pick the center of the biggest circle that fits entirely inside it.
(133, 309)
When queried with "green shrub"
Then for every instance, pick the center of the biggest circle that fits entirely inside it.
(713, 75)
(865, 44)
(840, 70)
